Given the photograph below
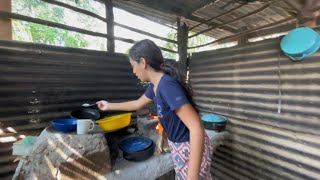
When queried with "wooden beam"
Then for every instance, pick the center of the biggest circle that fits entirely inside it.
(4, 14)
(307, 14)
(246, 32)
(5, 22)
(312, 23)
(58, 25)
(222, 14)
(145, 33)
(234, 20)
(67, 6)
(110, 26)
(168, 50)
(158, 5)
(243, 39)
(295, 4)
(182, 46)
(289, 10)
(201, 20)
(202, 5)
(277, 29)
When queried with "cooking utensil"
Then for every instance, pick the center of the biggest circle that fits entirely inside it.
(114, 123)
(64, 124)
(85, 113)
(214, 122)
(141, 155)
(134, 144)
(86, 105)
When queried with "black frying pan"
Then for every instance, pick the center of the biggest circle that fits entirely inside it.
(85, 113)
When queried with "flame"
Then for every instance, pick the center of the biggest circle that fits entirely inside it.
(159, 127)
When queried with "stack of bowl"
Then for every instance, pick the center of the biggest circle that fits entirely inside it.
(137, 148)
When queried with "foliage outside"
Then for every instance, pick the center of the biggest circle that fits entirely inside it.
(25, 31)
(197, 40)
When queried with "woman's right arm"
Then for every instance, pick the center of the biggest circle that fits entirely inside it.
(125, 106)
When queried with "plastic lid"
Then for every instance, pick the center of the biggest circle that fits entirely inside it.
(299, 40)
(213, 118)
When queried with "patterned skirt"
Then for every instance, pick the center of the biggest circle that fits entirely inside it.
(181, 154)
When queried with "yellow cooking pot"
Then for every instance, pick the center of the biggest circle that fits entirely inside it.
(114, 123)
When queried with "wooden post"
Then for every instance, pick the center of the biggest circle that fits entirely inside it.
(312, 23)
(110, 26)
(182, 46)
(5, 23)
(308, 14)
(243, 39)
(307, 11)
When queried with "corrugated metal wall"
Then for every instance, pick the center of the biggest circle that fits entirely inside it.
(273, 108)
(41, 82)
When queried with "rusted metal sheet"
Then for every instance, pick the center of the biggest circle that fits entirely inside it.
(258, 151)
(272, 105)
(40, 82)
(166, 11)
(257, 82)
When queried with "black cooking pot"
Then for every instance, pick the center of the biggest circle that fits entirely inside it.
(214, 122)
(140, 155)
(85, 113)
(215, 126)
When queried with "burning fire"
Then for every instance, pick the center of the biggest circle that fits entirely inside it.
(159, 127)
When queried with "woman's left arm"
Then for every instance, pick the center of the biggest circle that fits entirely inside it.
(191, 119)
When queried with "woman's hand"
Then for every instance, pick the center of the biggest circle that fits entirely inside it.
(124, 106)
(103, 105)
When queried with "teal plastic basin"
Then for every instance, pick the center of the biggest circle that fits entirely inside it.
(300, 43)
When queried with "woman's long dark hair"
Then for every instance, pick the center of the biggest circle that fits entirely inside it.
(148, 50)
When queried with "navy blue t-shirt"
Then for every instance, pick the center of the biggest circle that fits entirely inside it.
(170, 95)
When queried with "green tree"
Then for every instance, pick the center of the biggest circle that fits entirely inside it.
(172, 46)
(25, 31)
(197, 40)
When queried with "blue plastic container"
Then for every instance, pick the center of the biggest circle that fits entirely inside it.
(65, 124)
(213, 118)
(300, 43)
(214, 122)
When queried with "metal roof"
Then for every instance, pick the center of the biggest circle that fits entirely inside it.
(194, 12)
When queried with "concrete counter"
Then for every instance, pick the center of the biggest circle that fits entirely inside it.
(155, 166)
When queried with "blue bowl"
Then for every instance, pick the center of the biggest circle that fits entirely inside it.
(214, 118)
(135, 144)
(65, 124)
(214, 122)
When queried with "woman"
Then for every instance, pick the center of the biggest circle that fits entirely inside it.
(190, 147)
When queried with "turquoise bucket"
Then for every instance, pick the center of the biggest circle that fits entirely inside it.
(300, 43)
